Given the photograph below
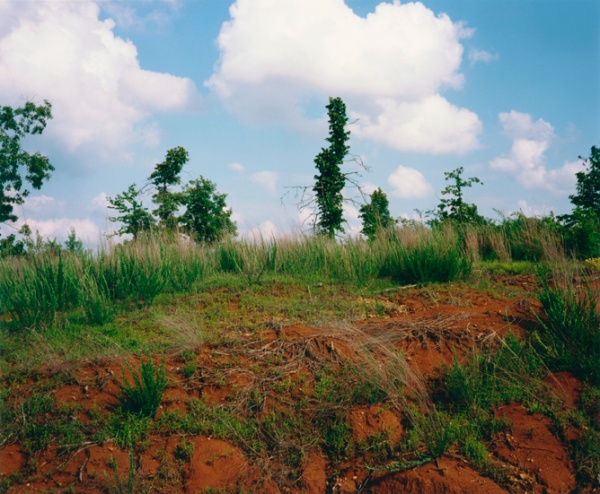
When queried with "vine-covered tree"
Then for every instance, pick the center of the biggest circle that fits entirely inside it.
(331, 181)
(134, 217)
(453, 207)
(375, 214)
(207, 217)
(165, 176)
(16, 164)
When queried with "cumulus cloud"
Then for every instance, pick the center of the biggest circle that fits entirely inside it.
(527, 157)
(407, 182)
(265, 179)
(430, 124)
(390, 67)
(102, 98)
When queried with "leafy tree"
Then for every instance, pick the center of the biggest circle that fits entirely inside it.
(15, 124)
(73, 244)
(330, 181)
(453, 207)
(584, 223)
(206, 217)
(588, 184)
(376, 214)
(165, 175)
(134, 216)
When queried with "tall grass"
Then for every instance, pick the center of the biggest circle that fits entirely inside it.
(36, 290)
(569, 332)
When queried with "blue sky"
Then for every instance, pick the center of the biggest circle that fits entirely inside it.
(509, 89)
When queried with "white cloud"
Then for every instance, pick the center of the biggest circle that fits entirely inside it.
(265, 179)
(390, 67)
(100, 202)
(266, 231)
(237, 167)
(476, 56)
(527, 157)
(59, 229)
(407, 182)
(141, 14)
(430, 125)
(533, 211)
(102, 98)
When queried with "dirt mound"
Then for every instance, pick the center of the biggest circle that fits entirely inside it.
(447, 476)
(276, 373)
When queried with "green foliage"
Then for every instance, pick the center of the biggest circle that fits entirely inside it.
(583, 223)
(73, 244)
(39, 288)
(453, 207)
(206, 218)
(15, 124)
(134, 217)
(569, 335)
(433, 258)
(166, 175)
(330, 181)
(490, 378)
(144, 396)
(376, 214)
(38, 421)
(120, 487)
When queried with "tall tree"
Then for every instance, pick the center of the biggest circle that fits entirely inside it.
(331, 181)
(166, 175)
(15, 162)
(376, 214)
(206, 217)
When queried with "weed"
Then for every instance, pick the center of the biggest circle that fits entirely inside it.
(184, 451)
(144, 396)
(128, 430)
(120, 487)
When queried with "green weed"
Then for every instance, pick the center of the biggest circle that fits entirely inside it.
(144, 396)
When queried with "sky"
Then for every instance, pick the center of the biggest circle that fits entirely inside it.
(507, 89)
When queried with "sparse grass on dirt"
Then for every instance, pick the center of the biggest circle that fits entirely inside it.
(303, 365)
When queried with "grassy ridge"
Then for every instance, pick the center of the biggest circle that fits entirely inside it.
(142, 295)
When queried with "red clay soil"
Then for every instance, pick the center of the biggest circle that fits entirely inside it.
(431, 330)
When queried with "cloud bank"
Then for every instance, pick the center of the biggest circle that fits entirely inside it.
(102, 99)
(277, 57)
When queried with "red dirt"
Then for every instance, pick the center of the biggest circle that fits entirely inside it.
(430, 329)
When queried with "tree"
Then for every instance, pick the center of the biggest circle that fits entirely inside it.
(206, 217)
(376, 214)
(331, 181)
(134, 216)
(454, 208)
(584, 222)
(15, 162)
(588, 184)
(73, 244)
(165, 175)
